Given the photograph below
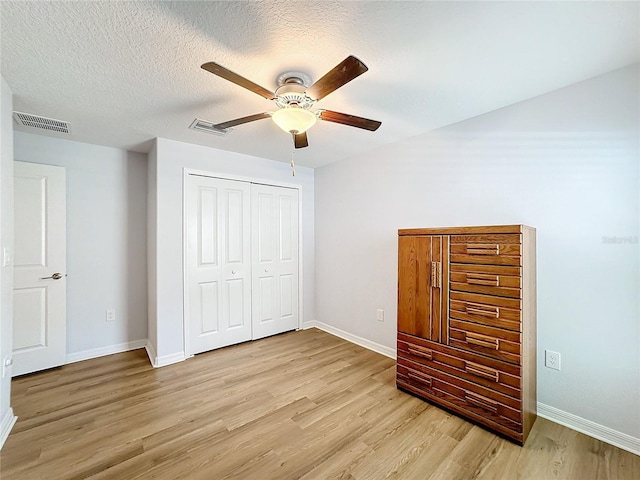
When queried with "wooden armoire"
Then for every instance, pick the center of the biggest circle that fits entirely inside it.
(467, 323)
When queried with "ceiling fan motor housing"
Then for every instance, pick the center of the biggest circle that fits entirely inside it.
(293, 93)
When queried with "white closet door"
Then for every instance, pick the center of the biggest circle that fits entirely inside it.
(274, 223)
(218, 262)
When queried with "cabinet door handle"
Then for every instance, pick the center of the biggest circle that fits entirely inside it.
(420, 352)
(436, 274)
(482, 402)
(482, 310)
(419, 377)
(482, 340)
(483, 279)
(481, 371)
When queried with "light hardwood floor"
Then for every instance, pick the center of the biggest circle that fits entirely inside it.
(303, 405)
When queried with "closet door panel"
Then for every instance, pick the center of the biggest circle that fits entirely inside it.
(218, 263)
(275, 259)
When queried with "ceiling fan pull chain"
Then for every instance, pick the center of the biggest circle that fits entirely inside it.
(293, 163)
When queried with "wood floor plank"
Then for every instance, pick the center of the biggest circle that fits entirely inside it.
(302, 405)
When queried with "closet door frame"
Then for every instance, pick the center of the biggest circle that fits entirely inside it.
(238, 178)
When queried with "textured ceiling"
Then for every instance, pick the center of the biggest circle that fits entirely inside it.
(125, 72)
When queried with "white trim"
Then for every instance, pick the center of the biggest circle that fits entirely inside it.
(151, 353)
(186, 340)
(102, 351)
(165, 360)
(595, 430)
(307, 325)
(238, 178)
(363, 342)
(8, 421)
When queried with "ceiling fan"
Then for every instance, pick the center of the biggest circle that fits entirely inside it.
(294, 99)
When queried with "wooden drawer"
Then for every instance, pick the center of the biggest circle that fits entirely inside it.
(440, 386)
(489, 341)
(499, 249)
(485, 309)
(488, 372)
(503, 281)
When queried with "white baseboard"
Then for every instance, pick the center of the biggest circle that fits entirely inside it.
(102, 351)
(307, 325)
(595, 430)
(151, 353)
(350, 337)
(164, 360)
(8, 421)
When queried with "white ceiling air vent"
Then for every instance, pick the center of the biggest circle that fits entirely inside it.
(204, 126)
(44, 123)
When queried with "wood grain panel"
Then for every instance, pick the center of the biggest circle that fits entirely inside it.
(476, 230)
(422, 304)
(529, 335)
(488, 283)
(438, 388)
(494, 238)
(467, 365)
(512, 405)
(489, 341)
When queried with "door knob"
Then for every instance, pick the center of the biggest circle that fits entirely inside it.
(55, 276)
(233, 272)
(266, 270)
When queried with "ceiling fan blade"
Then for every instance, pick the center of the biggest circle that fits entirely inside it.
(240, 121)
(350, 120)
(300, 140)
(341, 74)
(220, 71)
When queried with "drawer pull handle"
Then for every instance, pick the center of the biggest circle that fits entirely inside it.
(419, 377)
(482, 402)
(420, 352)
(482, 340)
(483, 279)
(481, 371)
(482, 310)
(483, 249)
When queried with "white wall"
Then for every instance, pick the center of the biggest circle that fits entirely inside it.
(566, 163)
(106, 239)
(171, 158)
(6, 241)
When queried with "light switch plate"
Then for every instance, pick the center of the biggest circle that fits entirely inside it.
(7, 256)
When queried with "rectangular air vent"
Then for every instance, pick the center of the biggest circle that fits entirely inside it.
(44, 123)
(204, 126)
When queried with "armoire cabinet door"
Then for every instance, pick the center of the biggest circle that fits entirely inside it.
(423, 287)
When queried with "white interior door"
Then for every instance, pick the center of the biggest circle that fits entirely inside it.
(39, 296)
(274, 218)
(218, 262)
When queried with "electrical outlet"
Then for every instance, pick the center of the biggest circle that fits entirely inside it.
(111, 316)
(380, 315)
(552, 360)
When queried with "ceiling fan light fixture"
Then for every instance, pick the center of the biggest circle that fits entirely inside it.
(294, 119)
